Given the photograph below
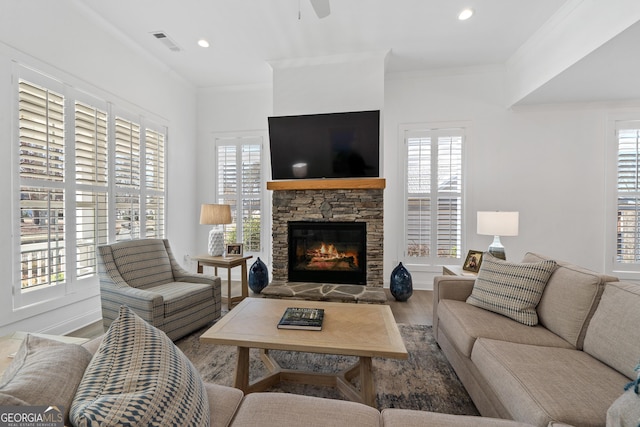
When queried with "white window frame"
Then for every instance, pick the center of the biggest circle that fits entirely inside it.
(431, 263)
(248, 138)
(23, 298)
(627, 120)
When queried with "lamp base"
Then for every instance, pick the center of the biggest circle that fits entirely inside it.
(216, 242)
(496, 249)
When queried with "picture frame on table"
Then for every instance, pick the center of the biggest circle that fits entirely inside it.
(473, 261)
(234, 249)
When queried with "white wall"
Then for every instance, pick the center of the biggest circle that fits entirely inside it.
(329, 84)
(546, 162)
(83, 52)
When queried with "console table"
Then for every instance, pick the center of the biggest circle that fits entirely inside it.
(456, 270)
(227, 262)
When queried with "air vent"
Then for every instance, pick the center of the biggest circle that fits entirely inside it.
(166, 40)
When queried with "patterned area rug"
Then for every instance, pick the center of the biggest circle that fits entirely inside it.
(425, 381)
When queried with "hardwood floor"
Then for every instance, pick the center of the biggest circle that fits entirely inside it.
(417, 310)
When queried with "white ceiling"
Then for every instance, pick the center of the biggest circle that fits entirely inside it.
(246, 34)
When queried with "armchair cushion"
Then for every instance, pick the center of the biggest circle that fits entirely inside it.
(179, 296)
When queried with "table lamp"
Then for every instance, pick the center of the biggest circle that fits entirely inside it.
(215, 215)
(498, 224)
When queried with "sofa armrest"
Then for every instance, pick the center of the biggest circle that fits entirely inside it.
(449, 287)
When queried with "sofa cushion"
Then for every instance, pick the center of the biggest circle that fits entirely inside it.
(139, 376)
(613, 335)
(44, 372)
(143, 263)
(411, 418)
(569, 299)
(464, 323)
(180, 296)
(541, 384)
(280, 409)
(511, 289)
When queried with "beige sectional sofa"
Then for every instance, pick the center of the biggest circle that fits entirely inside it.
(570, 368)
(135, 375)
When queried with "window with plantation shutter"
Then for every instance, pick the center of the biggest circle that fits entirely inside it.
(86, 177)
(628, 193)
(433, 230)
(240, 184)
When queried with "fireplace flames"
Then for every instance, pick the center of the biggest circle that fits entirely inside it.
(326, 256)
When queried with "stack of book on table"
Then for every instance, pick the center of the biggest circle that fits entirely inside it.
(302, 318)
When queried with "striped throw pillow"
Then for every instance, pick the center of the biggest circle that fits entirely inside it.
(138, 377)
(511, 289)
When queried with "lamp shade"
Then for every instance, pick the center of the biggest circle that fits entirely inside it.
(498, 223)
(215, 214)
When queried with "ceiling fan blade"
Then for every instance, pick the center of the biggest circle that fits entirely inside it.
(321, 7)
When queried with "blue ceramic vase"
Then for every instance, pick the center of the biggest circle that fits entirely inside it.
(401, 283)
(258, 276)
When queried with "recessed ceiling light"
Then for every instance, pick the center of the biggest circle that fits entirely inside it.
(203, 43)
(465, 14)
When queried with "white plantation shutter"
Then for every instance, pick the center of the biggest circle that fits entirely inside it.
(155, 224)
(91, 156)
(228, 186)
(251, 193)
(155, 183)
(91, 145)
(434, 194)
(154, 160)
(449, 217)
(419, 200)
(41, 133)
(628, 193)
(127, 153)
(92, 229)
(127, 216)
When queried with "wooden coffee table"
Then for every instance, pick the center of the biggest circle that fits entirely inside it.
(363, 330)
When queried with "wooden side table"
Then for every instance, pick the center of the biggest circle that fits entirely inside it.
(227, 262)
(456, 270)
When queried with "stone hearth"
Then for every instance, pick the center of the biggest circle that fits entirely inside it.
(326, 292)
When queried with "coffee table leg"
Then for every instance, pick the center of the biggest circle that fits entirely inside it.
(242, 369)
(367, 388)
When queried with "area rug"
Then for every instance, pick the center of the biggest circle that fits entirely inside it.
(425, 381)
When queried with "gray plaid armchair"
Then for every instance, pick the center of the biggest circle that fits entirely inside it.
(144, 275)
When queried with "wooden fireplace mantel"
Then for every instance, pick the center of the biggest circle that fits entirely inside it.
(328, 184)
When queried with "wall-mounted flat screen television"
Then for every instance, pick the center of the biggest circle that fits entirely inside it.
(334, 145)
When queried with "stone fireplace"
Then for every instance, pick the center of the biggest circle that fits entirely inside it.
(341, 201)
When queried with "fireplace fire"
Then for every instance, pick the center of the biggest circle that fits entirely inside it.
(327, 252)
